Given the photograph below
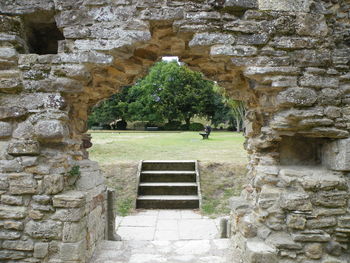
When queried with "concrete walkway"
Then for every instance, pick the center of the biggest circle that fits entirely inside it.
(166, 236)
(167, 225)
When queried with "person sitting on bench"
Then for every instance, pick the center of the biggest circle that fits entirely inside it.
(206, 133)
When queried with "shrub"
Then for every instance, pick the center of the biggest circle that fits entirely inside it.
(172, 126)
(184, 127)
(121, 125)
(196, 126)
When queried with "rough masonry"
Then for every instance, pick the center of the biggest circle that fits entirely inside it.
(289, 60)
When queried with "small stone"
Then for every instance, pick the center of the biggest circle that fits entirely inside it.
(41, 249)
(18, 245)
(11, 112)
(44, 229)
(315, 81)
(294, 42)
(295, 201)
(36, 215)
(12, 200)
(69, 199)
(9, 234)
(297, 97)
(53, 184)
(42, 199)
(296, 222)
(283, 240)
(23, 148)
(50, 130)
(312, 236)
(321, 223)
(333, 248)
(311, 25)
(285, 5)
(229, 50)
(332, 112)
(22, 184)
(344, 221)
(330, 199)
(208, 39)
(16, 225)
(69, 215)
(12, 212)
(5, 130)
(259, 252)
(72, 251)
(314, 251)
(73, 232)
(241, 4)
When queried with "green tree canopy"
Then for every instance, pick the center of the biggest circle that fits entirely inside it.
(172, 92)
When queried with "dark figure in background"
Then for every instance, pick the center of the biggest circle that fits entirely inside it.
(206, 133)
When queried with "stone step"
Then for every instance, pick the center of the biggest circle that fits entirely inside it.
(168, 176)
(168, 188)
(168, 165)
(167, 201)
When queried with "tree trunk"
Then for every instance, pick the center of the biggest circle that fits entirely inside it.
(238, 125)
(188, 121)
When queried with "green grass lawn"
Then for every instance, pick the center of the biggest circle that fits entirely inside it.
(109, 147)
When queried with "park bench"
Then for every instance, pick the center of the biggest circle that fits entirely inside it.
(205, 135)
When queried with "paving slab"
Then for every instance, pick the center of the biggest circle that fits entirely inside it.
(183, 251)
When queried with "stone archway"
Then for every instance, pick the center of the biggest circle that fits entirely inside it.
(288, 59)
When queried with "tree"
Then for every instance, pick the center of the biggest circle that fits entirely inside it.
(107, 111)
(171, 92)
(235, 109)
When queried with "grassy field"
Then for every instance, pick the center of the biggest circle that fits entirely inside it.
(110, 147)
(222, 163)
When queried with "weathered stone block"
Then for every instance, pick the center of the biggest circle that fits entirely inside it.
(16, 225)
(73, 232)
(42, 199)
(11, 112)
(321, 222)
(22, 184)
(259, 252)
(18, 245)
(344, 221)
(72, 251)
(48, 229)
(11, 200)
(50, 130)
(314, 251)
(41, 249)
(312, 236)
(12, 212)
(208, 39)
(285, 5)
(53, 183)
(311, 25)
(331, 199)
(269, 195)
(296, 222)
(297, 97)
(9, 234)
(23, 148)
(241, 4)
(315, 81)
(283, 240)
(229, 50)
(69, 199)
(294, 42)
(336, 155)
(295, 201)
(69, 214)
(5, 129)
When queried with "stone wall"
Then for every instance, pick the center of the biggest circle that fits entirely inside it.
(289, 60)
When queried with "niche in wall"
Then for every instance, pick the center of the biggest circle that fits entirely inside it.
(42, 33)
(298, 150)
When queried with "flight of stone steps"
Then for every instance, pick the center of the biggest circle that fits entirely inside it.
(168, 185)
